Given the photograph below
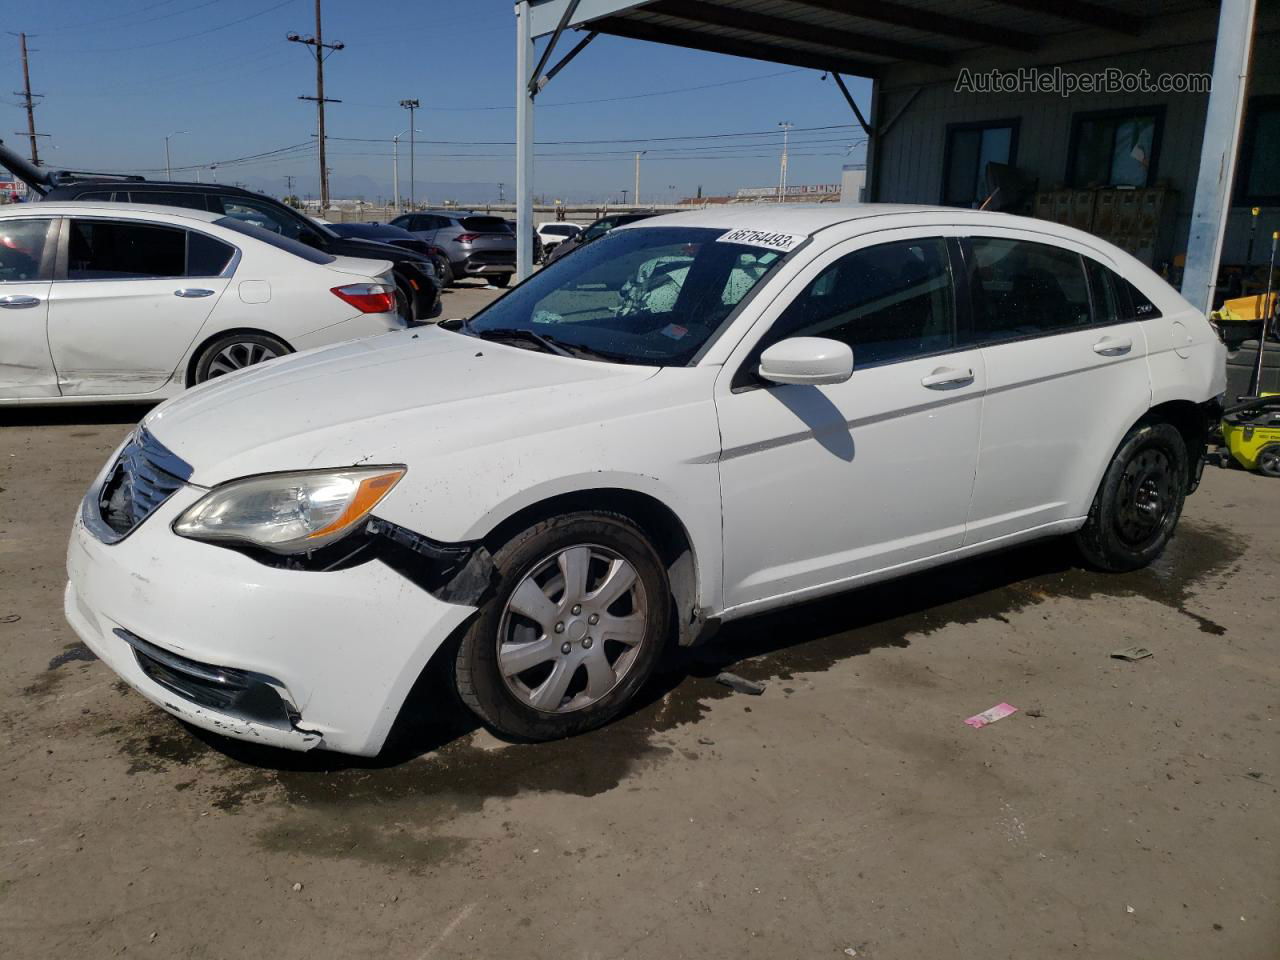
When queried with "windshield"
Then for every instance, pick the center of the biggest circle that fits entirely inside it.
(652, 295)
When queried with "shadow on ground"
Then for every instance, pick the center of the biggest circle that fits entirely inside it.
(436, 769)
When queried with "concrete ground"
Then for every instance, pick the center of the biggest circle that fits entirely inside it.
(1127, 809)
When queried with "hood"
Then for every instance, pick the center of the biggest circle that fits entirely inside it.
(394, 398)
(372, 250)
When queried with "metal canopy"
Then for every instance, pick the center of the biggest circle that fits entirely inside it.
(868, 37)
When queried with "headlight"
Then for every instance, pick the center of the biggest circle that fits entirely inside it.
(288, 512)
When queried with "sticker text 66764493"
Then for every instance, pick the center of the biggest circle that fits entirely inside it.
(762, 238)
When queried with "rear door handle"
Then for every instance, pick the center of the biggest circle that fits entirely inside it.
(193, 292)
(18, 301)
(1113, 346)
(947, 378)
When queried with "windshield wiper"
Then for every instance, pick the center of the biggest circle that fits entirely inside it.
(547, 344)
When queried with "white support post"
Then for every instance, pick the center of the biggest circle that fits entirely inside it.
(524, 142)
(1219, 151)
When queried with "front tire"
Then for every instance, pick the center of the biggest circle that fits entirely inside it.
(572, 632)
(1139, 501)
(234, 351)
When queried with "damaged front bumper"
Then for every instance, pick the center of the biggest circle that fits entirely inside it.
(294, 658)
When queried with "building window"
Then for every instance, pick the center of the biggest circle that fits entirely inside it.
(970, 148)
(1115, 148)
(1258, 178)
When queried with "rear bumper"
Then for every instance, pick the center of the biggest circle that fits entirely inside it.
(289, 658)
(487, 262)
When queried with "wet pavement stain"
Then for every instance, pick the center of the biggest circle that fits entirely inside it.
(49, 681)
(435, 767)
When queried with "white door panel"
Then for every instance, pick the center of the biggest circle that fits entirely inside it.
(125, 336)
(821, 484)
(26, 367)
(1053, 409)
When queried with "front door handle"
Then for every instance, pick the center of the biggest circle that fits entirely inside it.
(193, 292)
(947, 378)
(1113, 346)
(18, 301)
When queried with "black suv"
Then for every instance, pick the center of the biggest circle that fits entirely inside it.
(415, 272)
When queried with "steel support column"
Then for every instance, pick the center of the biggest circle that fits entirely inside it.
(1219, 150)
(524, 141)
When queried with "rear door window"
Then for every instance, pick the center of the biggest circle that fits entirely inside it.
(207, 257)
(22, 244)
(485, 224)
(160, 198)
(1024, 289)
(117, 250)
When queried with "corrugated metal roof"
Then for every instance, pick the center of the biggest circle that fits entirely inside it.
(866, 35)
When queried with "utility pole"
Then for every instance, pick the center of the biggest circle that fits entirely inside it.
(411, 105)
(786, 126)
(501, 198)
(288, 184)
(318, 50)
(29, 101)
(635, 197)
(168, 171)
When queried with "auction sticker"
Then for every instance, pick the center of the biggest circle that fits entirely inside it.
(762, 238)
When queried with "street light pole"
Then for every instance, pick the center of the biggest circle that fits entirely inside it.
(168, 172)
(635, 196)
(411, 105)
(395, 168)
(786, 126)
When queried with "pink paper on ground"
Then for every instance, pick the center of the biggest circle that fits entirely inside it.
(998, 712)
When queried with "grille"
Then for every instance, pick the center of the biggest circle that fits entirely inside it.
(145, 476)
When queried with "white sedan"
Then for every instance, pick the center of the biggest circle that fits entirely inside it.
(121, 302)
(695, 419)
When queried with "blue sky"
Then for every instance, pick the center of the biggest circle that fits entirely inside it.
(118, 77)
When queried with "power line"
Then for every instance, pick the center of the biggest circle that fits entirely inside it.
(547, 143)
(189, 36)
(631, 96)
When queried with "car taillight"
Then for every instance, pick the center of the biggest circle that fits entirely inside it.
(368, 297)
(466, 237)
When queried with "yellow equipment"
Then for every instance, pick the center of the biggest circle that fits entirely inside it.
(1251, 432)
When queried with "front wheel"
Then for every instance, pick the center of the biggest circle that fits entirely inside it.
(1139, 501)
(572, 632)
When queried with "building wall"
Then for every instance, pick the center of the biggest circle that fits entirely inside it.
(909, 162)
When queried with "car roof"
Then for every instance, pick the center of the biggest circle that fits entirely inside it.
(106, 208)
(809, 218)
(159, 186)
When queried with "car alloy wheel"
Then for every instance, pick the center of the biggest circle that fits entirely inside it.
(572, 629)
(238, 355)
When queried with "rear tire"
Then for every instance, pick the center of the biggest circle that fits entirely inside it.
(1138, 503)
(573, 631)
(235, 351)
(1269, 460)
(500, 280)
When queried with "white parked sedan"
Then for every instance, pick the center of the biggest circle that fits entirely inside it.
(122, 302)
(694, 419)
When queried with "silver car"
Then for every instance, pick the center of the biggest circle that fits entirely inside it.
(477, 245)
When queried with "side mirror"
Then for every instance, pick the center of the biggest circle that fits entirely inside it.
(807, 360)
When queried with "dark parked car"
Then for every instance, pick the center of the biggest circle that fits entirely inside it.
(594, 232)
(415, 272)
(477, 244)
(538, 250)
(386, 233)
